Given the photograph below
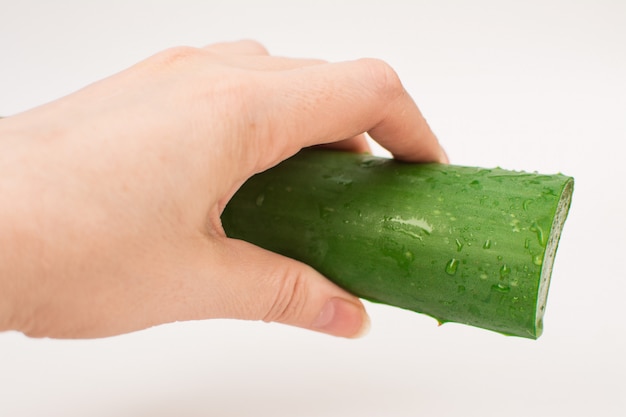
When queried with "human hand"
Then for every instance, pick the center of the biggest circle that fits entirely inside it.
(110, 217)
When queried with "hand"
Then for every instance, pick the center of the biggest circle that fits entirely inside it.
(110, 216)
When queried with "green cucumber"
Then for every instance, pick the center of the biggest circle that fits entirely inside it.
(467, 245)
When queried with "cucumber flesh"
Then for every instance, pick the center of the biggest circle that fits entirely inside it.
(461, 244)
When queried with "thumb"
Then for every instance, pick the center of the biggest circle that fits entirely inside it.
(263, 285)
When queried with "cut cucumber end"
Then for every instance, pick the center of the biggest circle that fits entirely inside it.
(550, 253)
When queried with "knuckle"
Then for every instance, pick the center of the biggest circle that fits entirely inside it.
(254, 46)
(290, 298)
(383, 78)
(176, 55)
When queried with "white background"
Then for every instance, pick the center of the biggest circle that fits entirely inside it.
(533, 85)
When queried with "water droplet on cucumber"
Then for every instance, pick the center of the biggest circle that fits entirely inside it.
(526, 204)
(505, 270)
(325, 211)
(501, 288)
(476, 185)
(540, 234)
(368, 163)
(452, 266)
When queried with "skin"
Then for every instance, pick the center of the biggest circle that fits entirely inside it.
(110, 216)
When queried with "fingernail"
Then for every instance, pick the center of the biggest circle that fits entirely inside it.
(344, 318)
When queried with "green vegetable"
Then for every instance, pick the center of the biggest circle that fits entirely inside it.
(467, 245)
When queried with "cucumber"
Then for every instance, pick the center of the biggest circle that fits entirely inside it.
(461, 244)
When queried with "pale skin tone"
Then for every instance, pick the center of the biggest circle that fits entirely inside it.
(111, 196)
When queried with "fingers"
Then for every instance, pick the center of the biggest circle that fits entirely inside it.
(327, 103)
(331, 102)
(240, 280)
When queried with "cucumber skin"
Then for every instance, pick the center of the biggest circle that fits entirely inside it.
(460, 244)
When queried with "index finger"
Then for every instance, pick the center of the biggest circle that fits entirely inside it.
(328, 103)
